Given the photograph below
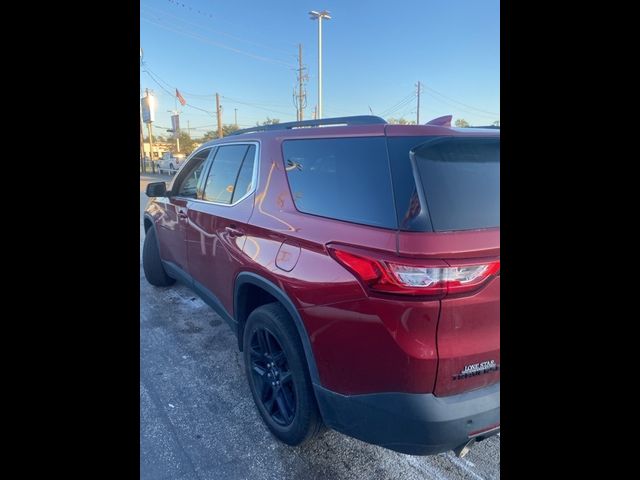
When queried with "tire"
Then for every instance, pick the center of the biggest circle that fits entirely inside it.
(270, 330)
(154, 272)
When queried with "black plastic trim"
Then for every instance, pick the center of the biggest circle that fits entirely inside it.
(146, 216)
(203, 292)
(417, 424)
(255, 279)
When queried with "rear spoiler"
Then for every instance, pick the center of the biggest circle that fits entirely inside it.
(445, 121)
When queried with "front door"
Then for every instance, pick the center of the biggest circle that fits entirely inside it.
(173, 232)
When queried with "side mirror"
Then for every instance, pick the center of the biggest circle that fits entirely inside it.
(157, 189)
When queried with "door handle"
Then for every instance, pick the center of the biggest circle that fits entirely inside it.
(233, 232)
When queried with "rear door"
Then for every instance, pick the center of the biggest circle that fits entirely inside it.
(447, 199)
(218, 218)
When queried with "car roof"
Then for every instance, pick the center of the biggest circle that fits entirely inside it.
(355, 131)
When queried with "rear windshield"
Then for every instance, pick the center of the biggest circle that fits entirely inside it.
(446, 183)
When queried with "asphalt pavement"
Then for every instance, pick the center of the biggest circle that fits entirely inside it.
(198, 420)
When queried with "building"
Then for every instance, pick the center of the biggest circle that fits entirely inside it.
(158, 149)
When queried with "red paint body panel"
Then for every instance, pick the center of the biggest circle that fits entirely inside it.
(464, 244)
(362, 343)
(375, 345)
(469, 333)
(469, 327)
(172, 231)
(215, 256)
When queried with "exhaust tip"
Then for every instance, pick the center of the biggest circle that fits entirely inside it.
(463, 449)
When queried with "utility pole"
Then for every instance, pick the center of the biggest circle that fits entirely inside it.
(143, 167)
(319, 16)
(153, 165)
(142, 164)
(219, 115)
(177, 132)
(235, 116)
(418, 109)
(302, 95)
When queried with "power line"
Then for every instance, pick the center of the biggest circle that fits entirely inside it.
(254, 105)
(220, 45)
(207, 15)
(405, 99)
(455, 101)
(402, 103)
(159, 81)
(146, 70)
(399, 107)
(262, 45)
(401, 100)
(407, 112)
(457, 108)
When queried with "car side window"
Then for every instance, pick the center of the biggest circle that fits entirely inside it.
(341, 178)
(193, 171)
(244, 184)
(226, 167)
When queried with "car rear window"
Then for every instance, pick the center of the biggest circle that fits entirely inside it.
(446, 183)
(342, 178)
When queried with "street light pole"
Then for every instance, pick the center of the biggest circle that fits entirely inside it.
(319, 16)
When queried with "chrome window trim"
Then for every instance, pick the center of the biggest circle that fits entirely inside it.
(254, 178)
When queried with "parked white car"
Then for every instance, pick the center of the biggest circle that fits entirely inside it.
(171, 162)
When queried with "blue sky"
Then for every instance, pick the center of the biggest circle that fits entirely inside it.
(374, 52)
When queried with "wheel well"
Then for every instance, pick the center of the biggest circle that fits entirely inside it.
(147, 225)
(253, 291)
(250, 297)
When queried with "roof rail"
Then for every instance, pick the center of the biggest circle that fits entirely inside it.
(355, 120)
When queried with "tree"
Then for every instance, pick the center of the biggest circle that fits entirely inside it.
(186, 142)
(401, 121)
(210, 135)
(496, 123)
(268, 121)
(462, 123)
(229, 129)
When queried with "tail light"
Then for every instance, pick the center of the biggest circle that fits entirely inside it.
(392, 277)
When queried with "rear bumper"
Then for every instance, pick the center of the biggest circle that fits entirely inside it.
(417, 424)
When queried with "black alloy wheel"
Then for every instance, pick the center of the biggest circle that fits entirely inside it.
(278, 375)
(272, 378)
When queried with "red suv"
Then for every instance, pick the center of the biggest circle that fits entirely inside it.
(359, 265)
